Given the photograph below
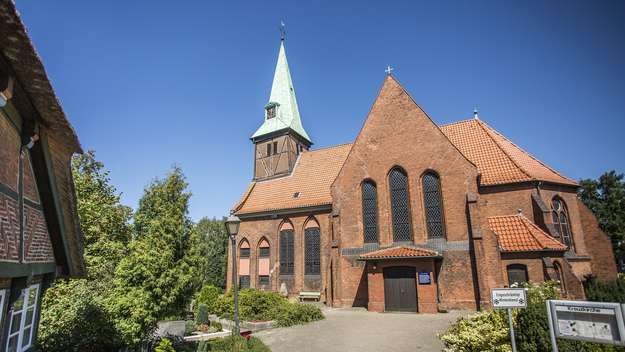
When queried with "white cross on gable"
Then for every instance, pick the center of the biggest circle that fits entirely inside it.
(389, 70)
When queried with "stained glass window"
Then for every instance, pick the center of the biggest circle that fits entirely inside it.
(313, 251)
(517, 274)
(370, 211)
(561, 222)
(287, 263)
(398, 182)
(433, 207)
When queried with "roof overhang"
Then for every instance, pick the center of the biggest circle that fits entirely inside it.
(379, 259)
(276, 213)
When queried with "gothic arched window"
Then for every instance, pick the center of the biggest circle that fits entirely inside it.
(244, 264)
(263, 262)
(370, 211)
(432, 200)
(561, 221)
(559, 276)
(312, 250)
(287, 249)
(400, 208)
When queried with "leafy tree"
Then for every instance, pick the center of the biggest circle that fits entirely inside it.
(74, 318)
(606, 198)
(208, 253)
(104, 220)
(154, 280)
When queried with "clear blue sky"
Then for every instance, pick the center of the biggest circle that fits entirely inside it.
(150, 84)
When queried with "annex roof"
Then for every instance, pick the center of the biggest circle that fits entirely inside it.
(307, 186)
(283, 95)
(517, 233)
(498, 160)
(401, 252)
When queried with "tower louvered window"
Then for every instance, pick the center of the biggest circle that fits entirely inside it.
(561, 221)
(370, 211)
(398, 182)
(287, 262)
(433, 205)
(312, 241)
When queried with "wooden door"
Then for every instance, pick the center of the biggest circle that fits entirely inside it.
(400, 289)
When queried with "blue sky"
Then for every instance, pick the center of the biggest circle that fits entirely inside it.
(151, 84)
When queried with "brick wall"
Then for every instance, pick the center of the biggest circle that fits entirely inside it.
(603, 263)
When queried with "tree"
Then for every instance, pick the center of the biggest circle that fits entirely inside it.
(74, 316)
(208, 253)
(103, 219)
(606, 198)
(154, 280)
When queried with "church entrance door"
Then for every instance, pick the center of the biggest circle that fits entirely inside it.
(400, 289)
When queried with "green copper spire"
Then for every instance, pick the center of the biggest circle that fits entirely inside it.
(283, 100)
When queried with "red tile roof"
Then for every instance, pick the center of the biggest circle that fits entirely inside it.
(498, 160)
(516, 233)
(399, 252)
(311, 178)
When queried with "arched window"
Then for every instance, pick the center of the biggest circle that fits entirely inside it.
(517, 274)
(244, 264)
(370, 211)
(287, 253)
(560, 276)
(432, 200)
(400, 209)
(263, 262)
(561, 221)
(312, 244)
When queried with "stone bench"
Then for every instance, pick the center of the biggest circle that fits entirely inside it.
(309, 295)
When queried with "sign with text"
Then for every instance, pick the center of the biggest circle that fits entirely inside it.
(587, 321)
(504, 298)
(424, 278)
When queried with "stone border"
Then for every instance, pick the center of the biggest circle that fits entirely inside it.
(245, 325)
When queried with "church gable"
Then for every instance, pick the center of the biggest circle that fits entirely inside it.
(397, 132)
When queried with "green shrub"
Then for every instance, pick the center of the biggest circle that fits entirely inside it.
(165, 346)
(611, 291)
(295, 313)
(73, 318)
(201, 316)
(235, 343)
(189, 327)
(486, 331)
(255, 305)
(208, 295)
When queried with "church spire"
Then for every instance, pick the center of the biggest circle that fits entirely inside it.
(282, 112)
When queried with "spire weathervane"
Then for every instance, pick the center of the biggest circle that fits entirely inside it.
(282, 31)
(475, 116)
(389, 70)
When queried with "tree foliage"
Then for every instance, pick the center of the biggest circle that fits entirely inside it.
(606, 198)
(155, 279)
(207, 254)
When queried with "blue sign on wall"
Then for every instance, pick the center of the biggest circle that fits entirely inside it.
(424, 278)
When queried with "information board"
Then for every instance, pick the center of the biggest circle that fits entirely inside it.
(424, 278)
(504, 298)
(587, 321)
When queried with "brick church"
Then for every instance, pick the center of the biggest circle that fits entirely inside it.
(411, 216)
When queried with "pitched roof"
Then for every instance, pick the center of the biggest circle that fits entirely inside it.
(283, 94)
(308, 185)
(516, 233)
(498, 160)
(399, 253)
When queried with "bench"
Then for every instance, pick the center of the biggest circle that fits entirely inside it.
(309, 295)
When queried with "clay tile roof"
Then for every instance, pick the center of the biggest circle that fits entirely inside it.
(399, 252)
(516, 233)
(498, 160)
(311, 179)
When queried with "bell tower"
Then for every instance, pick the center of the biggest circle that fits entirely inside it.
(281, 138)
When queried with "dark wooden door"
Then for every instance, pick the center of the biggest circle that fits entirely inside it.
(400, 289)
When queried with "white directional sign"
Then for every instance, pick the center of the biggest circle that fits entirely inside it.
(587, 321)
(504, 298)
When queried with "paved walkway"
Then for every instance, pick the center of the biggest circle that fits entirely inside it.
(357, 330)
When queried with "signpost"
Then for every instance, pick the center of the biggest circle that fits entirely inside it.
(586, 321)
(508, 298)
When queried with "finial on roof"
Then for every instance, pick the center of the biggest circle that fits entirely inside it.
(519, 211)
(389, 70)
(475, 116)
(282, 30)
